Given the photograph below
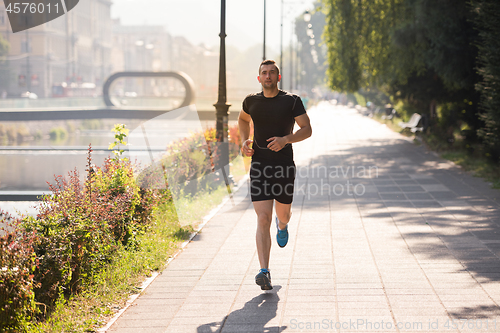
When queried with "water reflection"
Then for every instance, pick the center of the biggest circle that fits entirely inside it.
(30, 169)
(29, 165)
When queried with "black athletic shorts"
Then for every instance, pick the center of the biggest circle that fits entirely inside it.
(268, 182)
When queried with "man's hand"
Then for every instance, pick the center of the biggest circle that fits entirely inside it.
(245, 149)
(277, 143)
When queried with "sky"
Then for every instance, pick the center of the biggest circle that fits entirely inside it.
(199, 20)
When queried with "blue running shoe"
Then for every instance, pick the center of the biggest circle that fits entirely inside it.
(281, 235)
(263, 279)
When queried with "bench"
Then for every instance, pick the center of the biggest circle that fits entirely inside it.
(412, 123)
(389, 113)
(362, 110)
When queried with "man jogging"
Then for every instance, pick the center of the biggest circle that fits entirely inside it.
(272, 172)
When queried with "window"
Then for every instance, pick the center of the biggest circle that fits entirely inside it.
(25, 46)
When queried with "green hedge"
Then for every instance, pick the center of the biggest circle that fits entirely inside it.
(78, 229)
(17, 265)
(81, 225)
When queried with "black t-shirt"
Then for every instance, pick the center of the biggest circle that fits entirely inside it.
(273, 116)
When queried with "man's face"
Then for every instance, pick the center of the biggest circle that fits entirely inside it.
(268, 76)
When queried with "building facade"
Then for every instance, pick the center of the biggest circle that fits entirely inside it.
(72, 49)
(85, 46)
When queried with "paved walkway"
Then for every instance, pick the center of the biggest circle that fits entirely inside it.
(385, 237)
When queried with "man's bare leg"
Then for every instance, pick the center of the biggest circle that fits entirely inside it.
(284, 213)
(264, 211)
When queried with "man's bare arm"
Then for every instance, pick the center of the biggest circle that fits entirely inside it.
(244, 120)
(305, 131)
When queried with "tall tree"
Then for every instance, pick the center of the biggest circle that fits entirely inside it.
(438, 38)
(418, 51)
(376, 42)
(344, 70)
(312, 56)
(487, 20)
(358, 35)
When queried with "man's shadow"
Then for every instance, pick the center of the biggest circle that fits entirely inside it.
(256, 313)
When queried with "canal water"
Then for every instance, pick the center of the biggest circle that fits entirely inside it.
(30, 166)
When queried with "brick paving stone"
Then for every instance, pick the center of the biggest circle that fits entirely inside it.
(144, 329)
(155, 313)
(419, 246)
(365, 304)
(195, 328)
(420, 311)
(364, 312)
(143, 323)
(199, 321)
(251, 328)
(318, 310)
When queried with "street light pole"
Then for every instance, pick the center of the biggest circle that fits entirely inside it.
(291, 57)
(264, 51)
(281, 46)
(28, 65)
(222, 106)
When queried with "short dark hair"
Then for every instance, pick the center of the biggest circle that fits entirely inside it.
(269, 62)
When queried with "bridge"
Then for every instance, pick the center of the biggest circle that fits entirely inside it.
(111, 110)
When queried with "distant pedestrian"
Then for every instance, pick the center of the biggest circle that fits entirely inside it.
(272, 173)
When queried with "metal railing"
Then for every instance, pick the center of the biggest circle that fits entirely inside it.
(112, 111)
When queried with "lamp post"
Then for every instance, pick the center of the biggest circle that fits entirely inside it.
(222, 106)
(307, 16)
(28, 65)
(291, 57)
(312, 42)
(264, 47)
(281, 45)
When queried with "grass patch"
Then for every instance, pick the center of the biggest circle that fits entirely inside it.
(91, 309)
(194, 209)
(477, 165)
(471, 160)
(392, 124)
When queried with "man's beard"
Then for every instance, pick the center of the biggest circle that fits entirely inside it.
(270, 85)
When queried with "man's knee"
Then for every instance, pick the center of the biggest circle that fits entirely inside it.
(264, 217)
(285, 217)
